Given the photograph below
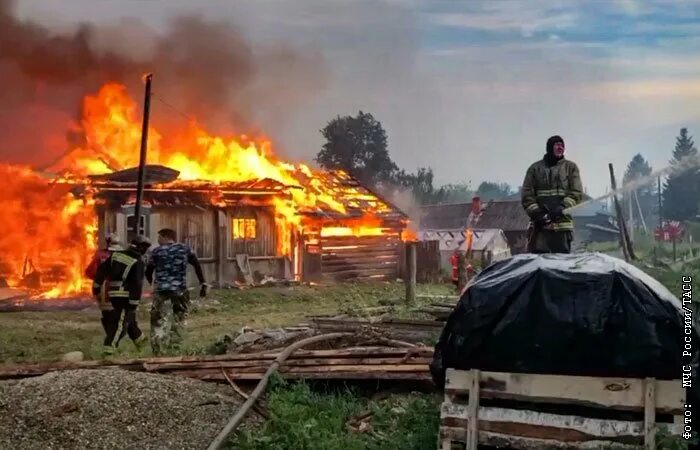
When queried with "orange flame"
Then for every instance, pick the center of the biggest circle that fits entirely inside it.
(40, 222)
(470, 238)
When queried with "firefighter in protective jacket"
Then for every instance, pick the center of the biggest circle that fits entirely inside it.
(112, 245)
(122, 276)
(551, 185)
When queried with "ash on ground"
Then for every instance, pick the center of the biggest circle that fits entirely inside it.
(113, 409)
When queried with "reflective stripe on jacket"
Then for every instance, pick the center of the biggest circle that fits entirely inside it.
(122, 275)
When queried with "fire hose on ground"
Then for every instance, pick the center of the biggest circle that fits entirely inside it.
(234, 421)
(232, 424)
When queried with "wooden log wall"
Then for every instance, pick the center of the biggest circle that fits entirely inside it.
(361, 258)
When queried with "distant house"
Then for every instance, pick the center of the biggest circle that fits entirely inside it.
(448, 224)
(593, 222)
(487, 245)
(445, 217)
(508, 216)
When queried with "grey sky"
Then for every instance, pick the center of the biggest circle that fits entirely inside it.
(471, 89)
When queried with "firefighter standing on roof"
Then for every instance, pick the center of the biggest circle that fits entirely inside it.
(171, 299)
(122, 277)
(551, 185)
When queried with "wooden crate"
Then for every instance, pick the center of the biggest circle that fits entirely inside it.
(464, 423)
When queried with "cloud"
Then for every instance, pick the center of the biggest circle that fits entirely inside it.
(527, 21)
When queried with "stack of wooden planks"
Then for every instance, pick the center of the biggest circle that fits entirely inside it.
(400, 329)
(440, 311)
(361, 258)
(380, 363)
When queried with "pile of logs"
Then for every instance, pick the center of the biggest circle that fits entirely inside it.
(380, 363)
(402, 329)
(438, 310)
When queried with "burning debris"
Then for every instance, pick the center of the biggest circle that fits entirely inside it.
(92, 184)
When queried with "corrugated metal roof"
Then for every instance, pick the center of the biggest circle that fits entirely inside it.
(453, 216)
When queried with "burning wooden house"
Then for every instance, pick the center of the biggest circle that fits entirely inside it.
(241, 231)
(247, 214)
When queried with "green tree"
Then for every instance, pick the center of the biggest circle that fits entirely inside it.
(358, 145)
(420, 184)
(681, 192)
(455, 193)
(489, 190)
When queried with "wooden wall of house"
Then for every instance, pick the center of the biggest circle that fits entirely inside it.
(209, 232)
(361, 258)
(265, 242)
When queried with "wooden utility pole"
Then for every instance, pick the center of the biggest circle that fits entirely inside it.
(661, 220)
(142, 155)
(625, 242)
(411, 272)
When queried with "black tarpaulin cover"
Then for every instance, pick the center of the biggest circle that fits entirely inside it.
(583, 314)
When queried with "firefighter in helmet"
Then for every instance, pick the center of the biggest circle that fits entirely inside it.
(121, 276)
(112, 244)
(551, 185)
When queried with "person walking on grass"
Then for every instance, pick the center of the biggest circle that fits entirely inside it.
(167, 272)
(112, 244)
(120, 276)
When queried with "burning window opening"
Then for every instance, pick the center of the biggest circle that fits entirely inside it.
(243, 228)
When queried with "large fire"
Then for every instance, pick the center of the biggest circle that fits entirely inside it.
(40, 222)
(44, 222)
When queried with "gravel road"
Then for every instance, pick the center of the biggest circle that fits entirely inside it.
(112, 409)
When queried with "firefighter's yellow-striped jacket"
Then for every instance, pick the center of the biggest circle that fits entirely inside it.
(545, 186)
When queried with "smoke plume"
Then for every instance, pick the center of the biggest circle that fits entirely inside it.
(202, 69)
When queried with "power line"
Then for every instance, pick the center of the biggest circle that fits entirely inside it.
(174, 109)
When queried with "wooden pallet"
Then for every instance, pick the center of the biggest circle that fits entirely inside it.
(464, 423)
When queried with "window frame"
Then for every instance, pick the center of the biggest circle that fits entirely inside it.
(245, 227)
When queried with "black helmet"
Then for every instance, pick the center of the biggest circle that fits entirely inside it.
(550, 143)
(141, 243)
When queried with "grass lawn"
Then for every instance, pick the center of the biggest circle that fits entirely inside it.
(45, 336)
(309, 419)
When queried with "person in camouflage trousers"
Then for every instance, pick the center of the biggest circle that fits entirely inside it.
(551, 185)
(167, 272)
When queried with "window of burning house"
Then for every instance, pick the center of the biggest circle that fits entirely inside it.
(131, 227)
(243, 229)
(252, 231)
